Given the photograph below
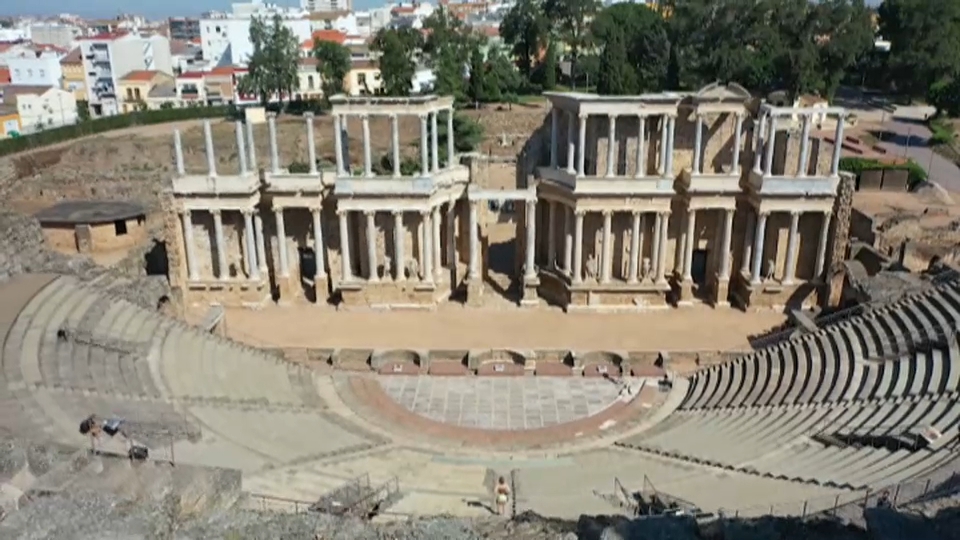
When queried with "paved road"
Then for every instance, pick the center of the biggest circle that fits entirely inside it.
(906, 135)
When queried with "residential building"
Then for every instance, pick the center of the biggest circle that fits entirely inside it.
(326, 5)
(183, 28)
(37, 67)
(74, 78)
(371, 21)
(108, 57)
(11, 50)
(17, 33)
(225, 38)
(9, 121)
(56, 34)
(185, 56)
(343, 21)
(363, 79)
(310, 87)
(41, 107)
(134, 87)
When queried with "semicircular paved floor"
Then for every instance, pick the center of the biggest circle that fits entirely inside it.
(502, 403)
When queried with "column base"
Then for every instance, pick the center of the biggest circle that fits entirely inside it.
(722, 293)
(321, 289)
(685, 294)
(474, 293)
(530, 298)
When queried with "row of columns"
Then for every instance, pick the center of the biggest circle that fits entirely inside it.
(756, 235)
(698, 145)
(767, 136)
(246, 149)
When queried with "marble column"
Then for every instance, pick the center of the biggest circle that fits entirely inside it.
(427, 248)
(474, 243)
(338, 145)
(282, 242)
(424, 150)
(758, 240)
(582, 146)
(607, 247)
(671, 125)
(662, 259)
(758, 140)
(578, 246)
(804, 161)
(436, 244)
(664, 132)
(748, 232)
(253, 269)
(634, 264)
(311, 143)
(178, 153)
(274, 151)
(655, 247)
(395, 143)
(399, 264)
(261, 242)
(771, 145)
(698, 145)
(737, 143)
(725, 245)
(641, 147)
(837, 147)
(346, 274)
(434, 144)
(554, 128)
(571, 143)
(189, 248)
(451, 244)
(790, 270)
(367, 158)
(221, 246)
(530, 222)
(211, 155)
(611, 145)
(241, 148)
(690, 244)
(822, 246)
(371, 236)
(252, 148)
(551, 234)
(319, 253)
(451, 142)
(567, 240)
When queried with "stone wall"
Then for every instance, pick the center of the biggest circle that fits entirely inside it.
(840, 238)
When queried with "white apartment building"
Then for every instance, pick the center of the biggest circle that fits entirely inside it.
(227, 40)
(57, 34)
(41, 107)
(326, 5)
(108, 57)
(39, 67)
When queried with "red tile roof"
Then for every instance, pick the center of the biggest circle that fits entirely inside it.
(72, 58)
(106, 36)
(334, 36)
(140, 75)
(4, 76)
(191, 75)
(227, 70)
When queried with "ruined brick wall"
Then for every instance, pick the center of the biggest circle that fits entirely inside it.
(840, 239)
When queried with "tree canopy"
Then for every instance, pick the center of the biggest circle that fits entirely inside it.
(272, 68)
(398, 48)
(333, 64)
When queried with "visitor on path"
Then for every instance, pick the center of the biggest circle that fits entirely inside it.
(503, 496)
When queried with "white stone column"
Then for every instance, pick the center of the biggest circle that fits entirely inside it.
(474, 243)
(241, 148)
(664, 133)
(252, 148)
(282, 241)
(578, 246)
(567, 240)
(771, 144)
(437, 246)
(655, 247)
(725, 246)
(554, 128)
(691, 242)
(641, 147)
(395, 144)
(371, 235)
(571, 143)
(399, 264)
(607, 247)
(434, 144)
(698, 144)
(838, 145)
(424, 150)
(582, 145)
(189, 248)
(178, 153)
(319, 252)
(427, 266)
(221, 246)
(737, 143)
(822, 246)
(451, 142)
(338, 145)
(551, 234)
(758, 136)
(261, 243)
(531, 224)
(274, 151)
(790, 271)
(452, 234)
(253, 268)
(611, 145)
(211, 155)
(367, 159)
(346, 274)
(804, 146)
(758, 239)
(662, 258)
(634, 264)
(671, 141)
(748, 232)
(311, 142)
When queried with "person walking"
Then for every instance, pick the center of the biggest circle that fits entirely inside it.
(503, 496)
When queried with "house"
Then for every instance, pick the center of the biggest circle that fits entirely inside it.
(41, 107)
(11, 50)
(37, 66)
(108, 57)
(134, 87)
(74, 79)
(363, 78)
(310, 84)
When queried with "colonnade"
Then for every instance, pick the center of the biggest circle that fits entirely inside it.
(766, 137)
(698, 165)
(754, 243)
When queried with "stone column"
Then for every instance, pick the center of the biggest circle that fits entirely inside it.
(452, 235)
(822, 246)
(771, 144)
(436, 245)
(634, 264)
(655, 248)
(698, 144)
(434, 144)
(567, 241)
(641, 147)
(758, 136)
(451, 142)
(582, 145)
(554, 127)
(274, 151)
(241, 148)
(253, 268)
(395, 144)
(319, 253)
(178, 153)
(551, 234)
(424, 151)
(191, 255)
(607, 247)
(758, 238)
(578, 246)
(664, 132)
(725, 246)
(691, 242)
(311, 143)
(531, 224)
(804, 147)
(748, 232)
(338, 145)
(671, 124)
(221, 246)
(261, 243)
(211, 155)
(252, 144)
(737, 142)
(282, 241)
(345, 273)
(662, 258)
(367, 160)
(571, 143)
(838, 145)
(611, 145)
(427, 266)
(399, 264)
(791, 263)
(371, 234)
(474, 272)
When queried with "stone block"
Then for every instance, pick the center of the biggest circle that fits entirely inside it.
(870, 180)
(895, 180)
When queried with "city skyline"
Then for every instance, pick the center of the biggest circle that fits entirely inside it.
(168, 8)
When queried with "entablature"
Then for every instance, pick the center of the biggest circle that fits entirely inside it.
(587, 185)
(797, 186)
(243, 184)
(403, 185)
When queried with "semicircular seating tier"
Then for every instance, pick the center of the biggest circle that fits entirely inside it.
(868, 401)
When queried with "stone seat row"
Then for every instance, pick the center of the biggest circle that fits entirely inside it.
(827, 365)
(776, 442)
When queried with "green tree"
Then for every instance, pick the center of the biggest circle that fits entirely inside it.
(617, 77)
(333, 64)
(945, 96)
(849, 25)
(447, 46)
(272, 67)
(572, 18)
(83, 111)
(924, 42)
(547, 69)
(505, 80)
(479, 87)
(525, 28)
(397, 48)
(645, 42)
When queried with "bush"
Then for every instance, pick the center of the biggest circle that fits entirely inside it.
(299, 167)
(857, 165)
(942, 132)
(110, 123)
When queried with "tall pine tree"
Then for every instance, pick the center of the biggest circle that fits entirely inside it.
(616, 76)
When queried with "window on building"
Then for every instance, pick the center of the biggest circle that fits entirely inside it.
(130, 93)
(310, 82)
(120, 227)
(218, 29)
(361, 79)
(16, 72)
(42, 74)
(136, 94)
(30, 73)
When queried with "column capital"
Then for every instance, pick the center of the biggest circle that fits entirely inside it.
(308, 115)
(636, 213)
(342, 212)
(396, 213)
(795, 212)
(613, 115)
(583, 116)
(827, 213)
(394, 116)
(642, 116)
(271, 114)
(184, 211)
(423, 116)
(365, 116)
(579, 212)
(369, 213)
(247, 211)
(215, 211)
(763, 213)
(425, 213)
(606, 212)
(277, 208)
